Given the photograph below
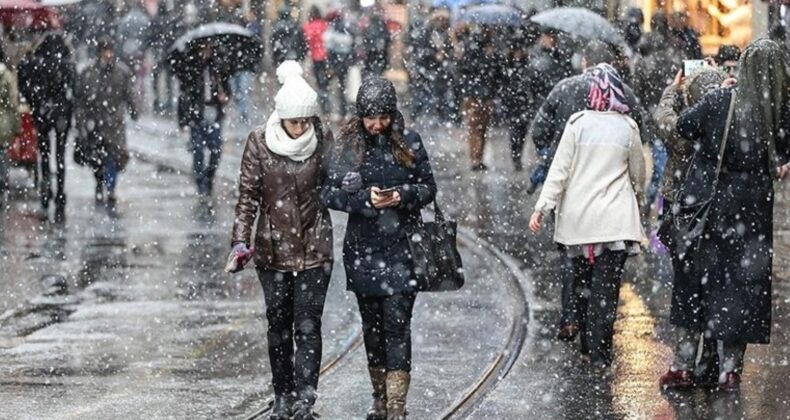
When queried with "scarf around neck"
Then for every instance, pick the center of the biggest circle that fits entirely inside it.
(280, 143)
(606, 90)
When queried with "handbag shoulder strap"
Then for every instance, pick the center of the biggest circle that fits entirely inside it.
(723, 145)
(437, 212)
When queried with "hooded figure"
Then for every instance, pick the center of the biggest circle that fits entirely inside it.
(735, 250)
(686, 286)
(282, 171)
(382, 178)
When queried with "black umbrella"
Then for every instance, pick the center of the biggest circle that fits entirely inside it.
(233, 49)
(579, 22)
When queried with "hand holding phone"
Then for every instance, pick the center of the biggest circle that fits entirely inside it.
(690, 65)
(381, 198)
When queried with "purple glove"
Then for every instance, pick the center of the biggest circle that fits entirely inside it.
(352, 182)
(239, 256)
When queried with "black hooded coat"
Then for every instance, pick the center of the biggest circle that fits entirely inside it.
(734, 255)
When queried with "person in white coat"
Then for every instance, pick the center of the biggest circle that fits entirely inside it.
(595, 186)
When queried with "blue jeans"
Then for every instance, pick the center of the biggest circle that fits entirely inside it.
(205, 136)
(242, 88)
(110, 174)
(541, 171)
(660, 157)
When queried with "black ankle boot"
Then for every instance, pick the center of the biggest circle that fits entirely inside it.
(303, 410)
(282, 408)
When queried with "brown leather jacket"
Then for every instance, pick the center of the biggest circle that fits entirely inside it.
(294, 230)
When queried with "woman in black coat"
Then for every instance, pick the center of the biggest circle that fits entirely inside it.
(382, 178)
(735, 251)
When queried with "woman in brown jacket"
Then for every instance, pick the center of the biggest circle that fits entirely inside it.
(281, 174)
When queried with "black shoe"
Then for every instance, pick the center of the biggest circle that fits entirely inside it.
(479, 167)
(60, 211)
(99, 194)
(532, 188)
(282, 408)
(303, 410)
(518, 166)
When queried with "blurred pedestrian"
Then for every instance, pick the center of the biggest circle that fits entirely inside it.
(594, 187)
(381, 177)
(314, 30)
(204, 92)
(632, 26)
(567, 98)
(287, 39)
(162, 32)
(735, 246)
(339, 42)
(686, 37)
(242, 82)
(441, 73)
(653, 71)
(687, 288)
(47, 80)
(548, 65)
(516, 95)
(104, 93)
(479, 73)
(282, 170)
(9, 119)
(727, 59)
(376, 44)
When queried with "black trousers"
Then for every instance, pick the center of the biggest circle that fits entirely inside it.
(60, 126)
(294, 304)
(386, 326)
(519, 128)
(591, 301)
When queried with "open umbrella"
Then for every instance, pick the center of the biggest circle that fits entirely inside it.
(234, 48)
(491, 14)
(579, 22)
(27, 14)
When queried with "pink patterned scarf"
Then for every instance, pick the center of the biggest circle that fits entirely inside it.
(606, 90)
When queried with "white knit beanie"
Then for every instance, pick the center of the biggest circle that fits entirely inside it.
(295, 99)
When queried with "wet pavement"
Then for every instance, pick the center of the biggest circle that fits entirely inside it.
(129, 313)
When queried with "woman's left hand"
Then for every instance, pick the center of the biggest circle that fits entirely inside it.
(783, 171)
(535, 222)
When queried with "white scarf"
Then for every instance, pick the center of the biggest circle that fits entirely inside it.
(280, 143)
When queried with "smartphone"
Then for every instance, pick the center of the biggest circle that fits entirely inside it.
(388, 191)
(690, 65)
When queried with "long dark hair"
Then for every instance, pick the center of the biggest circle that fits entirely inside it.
(353, 134)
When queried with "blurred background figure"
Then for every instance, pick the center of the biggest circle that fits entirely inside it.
(47, 81)
(287, 39)
(314, 30)
(339, 44)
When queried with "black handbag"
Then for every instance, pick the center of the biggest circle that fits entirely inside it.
(437, 262)
(689, 219)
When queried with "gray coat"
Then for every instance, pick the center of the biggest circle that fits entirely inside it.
(103, 96)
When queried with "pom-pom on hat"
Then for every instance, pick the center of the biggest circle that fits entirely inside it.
(295, 99)
(376, 96)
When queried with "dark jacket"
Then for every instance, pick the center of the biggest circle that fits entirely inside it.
(294, 230)
(568, 97)
(376, 252)
(47, 80)
(104, 93)
(288, 41)
(547, 67)
(479, 67)
(198, 98)
(654, 71)
(735, 252)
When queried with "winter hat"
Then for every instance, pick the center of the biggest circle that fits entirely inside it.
(295, 99)
(376, 96)
(701, 81)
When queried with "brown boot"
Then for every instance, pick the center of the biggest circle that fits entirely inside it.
(378, 377)
(397, 388)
